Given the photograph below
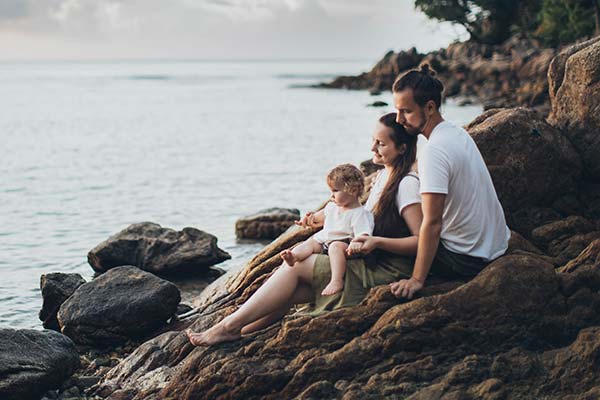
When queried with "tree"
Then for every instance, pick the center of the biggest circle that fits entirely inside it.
(487, 21)
(564, 21)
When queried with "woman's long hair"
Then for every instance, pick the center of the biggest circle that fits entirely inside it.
(388, 222)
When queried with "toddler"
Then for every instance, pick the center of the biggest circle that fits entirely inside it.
(343, 219)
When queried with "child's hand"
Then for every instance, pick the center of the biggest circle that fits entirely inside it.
(354, 248)
(307, 221)
(367, 243)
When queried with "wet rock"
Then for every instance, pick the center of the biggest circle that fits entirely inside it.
(159, 250)
(123, 303)
(56, 288)
(531, 163)
(378, 104)
(575, 99)
(34, 362)
(266, 224)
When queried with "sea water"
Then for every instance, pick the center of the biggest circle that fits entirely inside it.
(89, 148)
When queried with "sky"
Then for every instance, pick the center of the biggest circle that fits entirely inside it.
(215, 29)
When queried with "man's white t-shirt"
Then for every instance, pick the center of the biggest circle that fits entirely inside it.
(344, 224)
(408, 191)
(473, 221)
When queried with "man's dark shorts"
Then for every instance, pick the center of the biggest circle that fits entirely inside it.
(450, 265)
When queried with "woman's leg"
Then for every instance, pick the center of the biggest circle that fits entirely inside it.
(272, 296)
(337, 258)
(303, 294)
(301, 252)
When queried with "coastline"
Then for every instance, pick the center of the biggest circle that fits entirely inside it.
(506, 339)
(512, 74)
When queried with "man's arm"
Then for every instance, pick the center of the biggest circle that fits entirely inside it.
(429, 238)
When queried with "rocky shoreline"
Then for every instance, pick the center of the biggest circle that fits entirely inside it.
(512, 74)
(527, 327)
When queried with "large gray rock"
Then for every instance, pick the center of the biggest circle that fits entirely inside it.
(33, 362)
(266, 224)
(159, 250)
(56, 288)
(575, 96)
(123, 303)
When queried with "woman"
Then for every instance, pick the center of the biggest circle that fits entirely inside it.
(395, 203)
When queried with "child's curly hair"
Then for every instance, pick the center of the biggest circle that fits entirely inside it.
(349, 177)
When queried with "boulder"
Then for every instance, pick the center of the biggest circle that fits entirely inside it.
(531, 163)
(574, 81)
(33, 362)
(159, 250)
(514, 330)
(56, 288)
(123, 303)
(266, 224)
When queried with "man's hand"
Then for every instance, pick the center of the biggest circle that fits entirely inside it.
(367, 243)
(406, 288)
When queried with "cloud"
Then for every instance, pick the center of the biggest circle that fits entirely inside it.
(212, 28)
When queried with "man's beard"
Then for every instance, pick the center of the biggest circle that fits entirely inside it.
(415, 130)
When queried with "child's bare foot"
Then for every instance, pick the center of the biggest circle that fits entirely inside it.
(216, 334)
(289, 257)
(332, 288)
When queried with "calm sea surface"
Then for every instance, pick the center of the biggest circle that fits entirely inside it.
(89, 148)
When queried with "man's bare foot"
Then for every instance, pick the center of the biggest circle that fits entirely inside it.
(216, 334)
(289, 257)
(332, 288)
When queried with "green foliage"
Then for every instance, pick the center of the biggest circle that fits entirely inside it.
(487, 21)
(564, 21)
(493, 21)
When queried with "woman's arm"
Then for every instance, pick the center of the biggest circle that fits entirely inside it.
(413, 217)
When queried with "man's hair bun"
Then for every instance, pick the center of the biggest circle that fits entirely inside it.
(426, 69)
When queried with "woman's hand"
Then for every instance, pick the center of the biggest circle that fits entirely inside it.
(353, 248)
(406, 287)
(367, 244)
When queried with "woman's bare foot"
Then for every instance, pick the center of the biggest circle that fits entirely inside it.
(332, 288)
(289, 257)
(216, 334)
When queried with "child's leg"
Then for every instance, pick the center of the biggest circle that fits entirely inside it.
(301, 252)
(337, 260)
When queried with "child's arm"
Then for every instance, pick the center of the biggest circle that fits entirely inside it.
(312, 220)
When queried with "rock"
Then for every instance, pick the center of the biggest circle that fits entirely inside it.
(123, 303)
(84, 382)
(56, 288)
(183, 308)
(162, 251)
(507, 75)
(266, 224)
(559, 230)
(34, 362)
(378, 104)
(589, 257)
(368, 167)
(518, 329)
(531, 163)
(575, 97)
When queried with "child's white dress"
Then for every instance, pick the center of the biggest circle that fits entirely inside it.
(344, 225)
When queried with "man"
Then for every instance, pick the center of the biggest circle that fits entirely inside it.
(463, 225)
